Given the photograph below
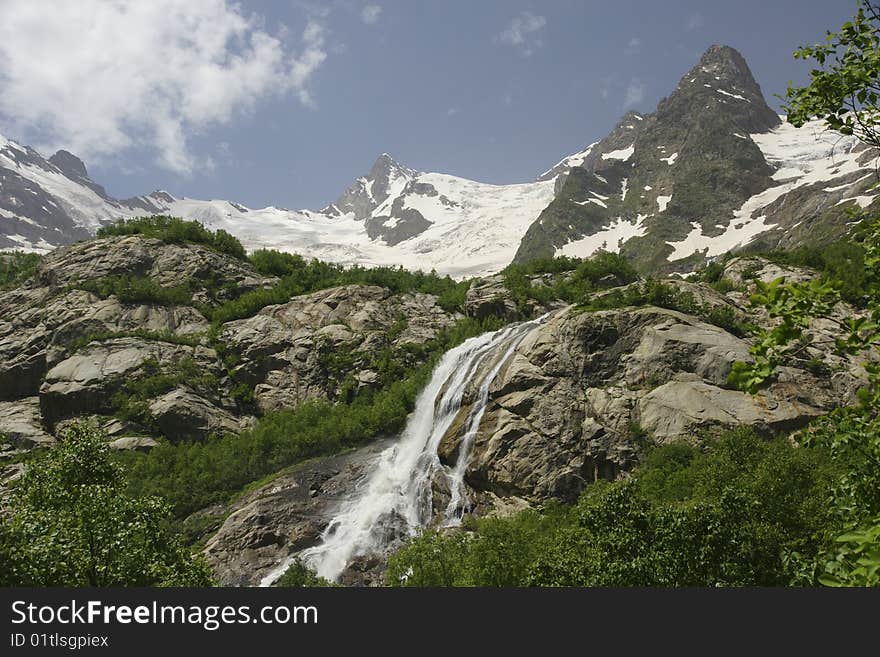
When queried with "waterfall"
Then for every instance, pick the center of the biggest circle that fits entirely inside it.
(396, 499)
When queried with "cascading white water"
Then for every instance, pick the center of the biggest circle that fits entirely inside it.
(396, 499)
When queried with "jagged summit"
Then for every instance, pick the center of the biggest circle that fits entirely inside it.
(697, 178)
(721, 82)
(70, 165)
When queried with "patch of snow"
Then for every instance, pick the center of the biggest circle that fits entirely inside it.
(861, 201)
(737, 96)
(623, 189)
(670, 160)
(610, 238)
(663, 201)
(622, 154)
(592, 200)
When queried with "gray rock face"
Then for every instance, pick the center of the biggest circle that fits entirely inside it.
(20, 423)
(284, 349)
(86, 381)
(489, 296)
(285, 516)
(570, 405)
(134, 443)
(183, 414)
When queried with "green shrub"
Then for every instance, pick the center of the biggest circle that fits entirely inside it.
(664, 295)
(175, 230)
(572, 280)
(299, 575)
(138, 289)
(71, 523)
(740, 511)
(16, 267)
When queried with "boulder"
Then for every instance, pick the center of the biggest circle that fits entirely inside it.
(747, 269)
(21, 424)
(134, 444)
(181, 414)
(86, 381)
(489, 297)
(285, 351)
(678, 409)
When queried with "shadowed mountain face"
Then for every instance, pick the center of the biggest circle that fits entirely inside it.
(693, 179)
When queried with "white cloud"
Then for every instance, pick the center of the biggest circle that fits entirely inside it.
(101, 77)
(371, 14)
(523, 32)
(694, 22)
(635, 93)
(634, 45)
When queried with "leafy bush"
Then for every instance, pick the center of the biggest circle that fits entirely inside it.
(664, 295)
(138, 289)
(741, 512)
(17, 267)
(175, 230)
(571, 280)
(299, 575)
(72, 524)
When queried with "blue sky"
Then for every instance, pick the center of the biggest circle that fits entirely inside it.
(286, 102)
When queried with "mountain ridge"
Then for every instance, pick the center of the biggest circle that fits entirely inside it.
(658, 184)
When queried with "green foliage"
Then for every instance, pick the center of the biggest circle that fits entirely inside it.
(741, 512)
(71, 523)
(138, 289)
(299, 276)
(842, 262)
(175, 230)
(572, 279)
(131, 401)
(856, 559)
(17, 267)
(664, 295)
(850, 435)
(843, 90)
(793, 305)
(299, 575)
(192, 475)
(493, 552)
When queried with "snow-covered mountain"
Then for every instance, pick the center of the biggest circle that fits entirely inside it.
(391, 216)
(712, 169)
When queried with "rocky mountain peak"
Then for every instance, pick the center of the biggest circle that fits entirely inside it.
(386, 167)
(721, 82)
(372, 190)
(70, 165)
